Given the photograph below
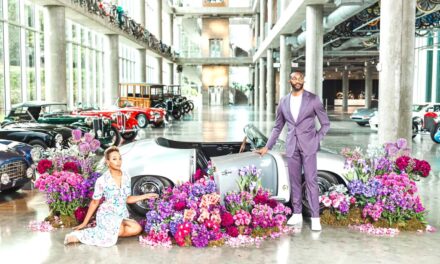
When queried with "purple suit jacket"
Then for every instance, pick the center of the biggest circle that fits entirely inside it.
(300, 132)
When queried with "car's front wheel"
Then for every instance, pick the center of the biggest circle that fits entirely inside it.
(415, 131)
(129, 136)
(325, 181)
(361, 124)
(38, 144)
(143, 185)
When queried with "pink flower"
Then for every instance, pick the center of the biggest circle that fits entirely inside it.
(189, 214)
(327, 202)
(44, 165)
(88, 137)
(94, 145)
(76, 135)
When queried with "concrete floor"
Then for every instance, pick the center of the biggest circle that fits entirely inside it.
(332, 245)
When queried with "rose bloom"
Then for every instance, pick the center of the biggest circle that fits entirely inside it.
(327, 202)
(336, 203)
(352, 200)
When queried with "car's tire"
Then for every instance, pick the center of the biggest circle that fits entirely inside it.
(325, 181)
(159, 124)
(360, 124)
(129, 136)
(116, 139)
(13, 189)
(191, 106)
(146, 184)
(186, 107)
(142, 120)
(435, 134)
(177, 114)
(415, 131)
(37, 143)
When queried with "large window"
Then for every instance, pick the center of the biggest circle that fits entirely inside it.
(85, 55)
(128, 61)
(21, 49)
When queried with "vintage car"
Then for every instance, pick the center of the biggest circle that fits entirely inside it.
(125, 123)
(15, 162)
(362, 115)
(374, 124)
(156, 164)
(145, 116)
(40, 135)
(58, 114)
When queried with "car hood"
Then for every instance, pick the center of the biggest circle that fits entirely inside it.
(7, 150)
(365, 111)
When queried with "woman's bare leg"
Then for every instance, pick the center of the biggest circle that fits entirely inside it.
(129, 228)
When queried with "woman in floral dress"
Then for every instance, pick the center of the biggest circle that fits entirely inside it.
(112, 217)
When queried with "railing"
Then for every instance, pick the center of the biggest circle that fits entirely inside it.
(116, 16)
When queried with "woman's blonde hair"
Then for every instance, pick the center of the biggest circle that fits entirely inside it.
(110, 150)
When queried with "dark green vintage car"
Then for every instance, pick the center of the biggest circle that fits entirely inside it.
(58, 114)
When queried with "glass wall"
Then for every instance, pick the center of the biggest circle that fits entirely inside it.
(21, 50)
(84, 67)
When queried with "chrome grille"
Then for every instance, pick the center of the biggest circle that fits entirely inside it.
(15, 169)
(98, 124)
(121, 120)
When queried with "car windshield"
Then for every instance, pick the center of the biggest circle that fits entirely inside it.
(417, 108)
(54, 109)
(259, 140)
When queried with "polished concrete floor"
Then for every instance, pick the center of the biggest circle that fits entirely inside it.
(332, 245)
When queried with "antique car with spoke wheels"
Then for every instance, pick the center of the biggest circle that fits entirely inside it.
(58, 114)
(15, 165)
(156, 164)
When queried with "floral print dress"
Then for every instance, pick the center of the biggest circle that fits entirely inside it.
(110, 213)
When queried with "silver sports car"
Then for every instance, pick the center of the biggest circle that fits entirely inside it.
(156, 164)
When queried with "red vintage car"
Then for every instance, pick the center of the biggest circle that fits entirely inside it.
(146, 115)
(124, 121)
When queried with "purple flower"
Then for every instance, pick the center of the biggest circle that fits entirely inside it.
(84, 148)
(401, 143)
(76, 135)
(88, 137)
(94, 145)
(200, 236)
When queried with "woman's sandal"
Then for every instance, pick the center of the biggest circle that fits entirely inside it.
(67, 239)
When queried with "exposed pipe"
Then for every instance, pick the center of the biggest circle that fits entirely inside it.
(331, 21)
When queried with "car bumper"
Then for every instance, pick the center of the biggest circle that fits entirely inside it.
(14, 183)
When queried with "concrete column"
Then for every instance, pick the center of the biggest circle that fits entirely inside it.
(314, 49)
(111, 70)
(262, 86)
(270, 13)
(368, 85)
(250, 94)
(256, 86)
(345, 87)
(396, 70)
(142, 65)
(142, 14)
(55, 54)
(285, 68)
(262, 15)
(172, 71)
(257, 30)
(160, 70)
(270, 84)
(159, 15)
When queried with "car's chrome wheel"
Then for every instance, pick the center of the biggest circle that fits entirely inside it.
(142, 120)
(143, 185)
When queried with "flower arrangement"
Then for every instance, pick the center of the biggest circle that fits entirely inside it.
(381, 190)
(191, 215)
(67, 177)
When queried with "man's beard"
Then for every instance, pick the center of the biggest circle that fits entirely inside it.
(294, 88)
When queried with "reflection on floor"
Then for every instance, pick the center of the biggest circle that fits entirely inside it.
(333, 245)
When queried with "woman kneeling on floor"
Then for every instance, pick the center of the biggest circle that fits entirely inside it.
(112, 217)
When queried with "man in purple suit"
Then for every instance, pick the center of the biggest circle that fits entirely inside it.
(298, 109)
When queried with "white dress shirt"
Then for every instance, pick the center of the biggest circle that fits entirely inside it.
(295, 104)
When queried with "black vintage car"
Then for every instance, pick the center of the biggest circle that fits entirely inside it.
(38, 135)
(15, 162)
(57, 114)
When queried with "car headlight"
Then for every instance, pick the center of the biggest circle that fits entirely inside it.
(88, 121)
(36, 154)
(156, 114)
(30, 172)
(105, 121)
(59, 138)
(99, 133)
(114, 116)
(127, 115)
(5, 178)
(92, 132)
